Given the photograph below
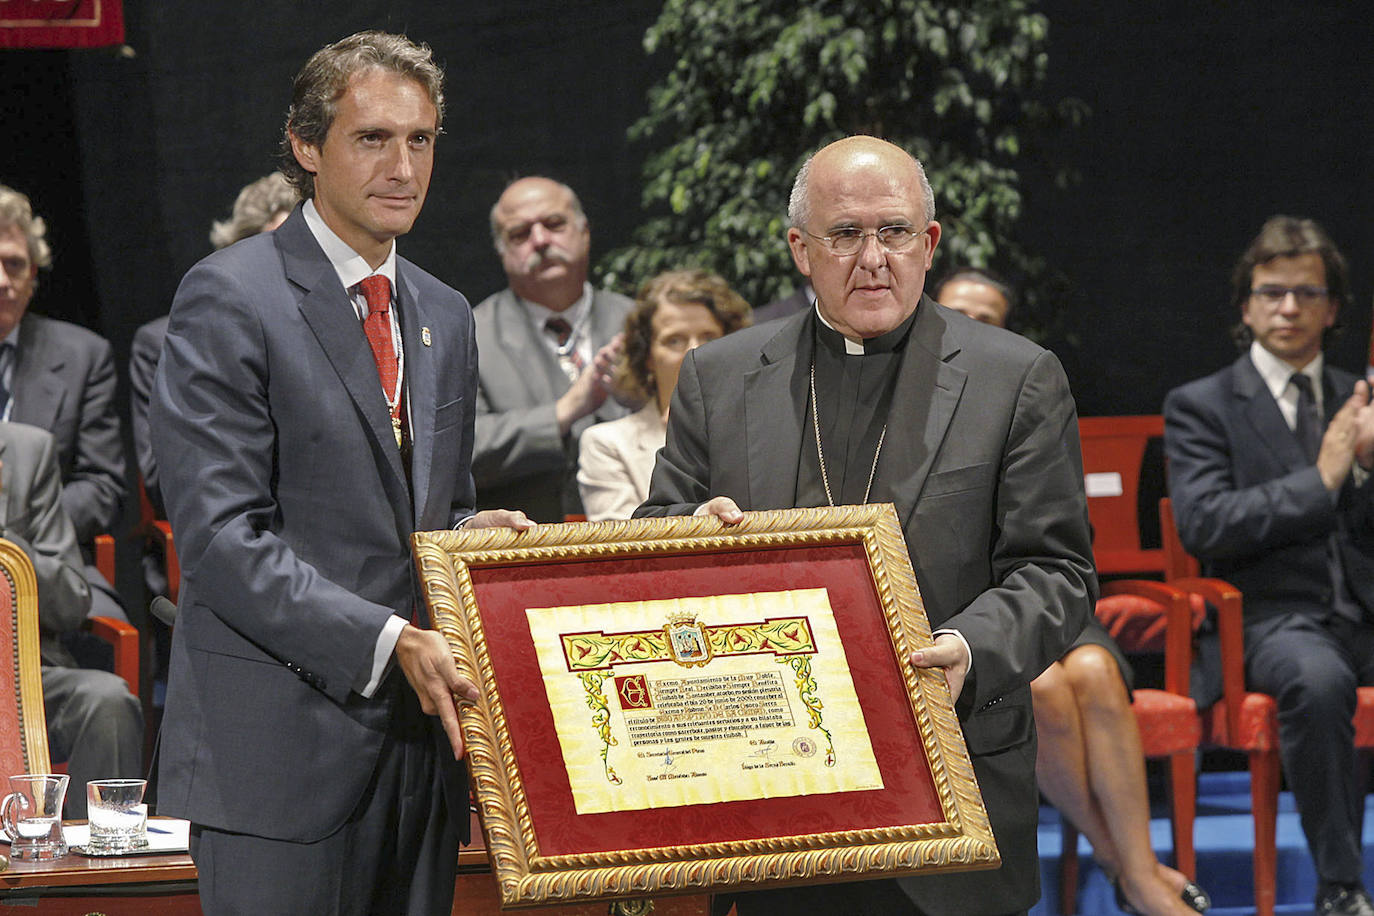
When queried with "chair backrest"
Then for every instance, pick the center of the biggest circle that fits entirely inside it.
(1119, 454)
(23, 728)
(1178, 563)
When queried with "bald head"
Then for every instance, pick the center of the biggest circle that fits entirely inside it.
(864, 191)
(858, 147)
(541, 233)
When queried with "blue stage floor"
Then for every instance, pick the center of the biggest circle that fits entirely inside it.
(1224, 837)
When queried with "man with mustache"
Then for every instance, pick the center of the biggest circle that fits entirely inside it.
(548, 343)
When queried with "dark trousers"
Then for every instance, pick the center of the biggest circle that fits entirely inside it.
(396, 854)
(1312, 667)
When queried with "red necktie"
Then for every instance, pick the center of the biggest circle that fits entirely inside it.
(377, 325)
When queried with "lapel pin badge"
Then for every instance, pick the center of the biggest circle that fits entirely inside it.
(424, 337)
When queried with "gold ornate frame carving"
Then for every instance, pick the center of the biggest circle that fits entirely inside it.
(961, 840)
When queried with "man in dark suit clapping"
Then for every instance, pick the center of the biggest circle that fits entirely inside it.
(1269, 472)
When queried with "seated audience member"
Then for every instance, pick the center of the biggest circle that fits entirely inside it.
(60, 377)
(1269, 470)
(674, 313)
(978, 293)
(260, 207)
(547, 344)
(1089, 763)
(94, 722)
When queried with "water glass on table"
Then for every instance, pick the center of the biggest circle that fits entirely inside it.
(32, 816)
(117, 816)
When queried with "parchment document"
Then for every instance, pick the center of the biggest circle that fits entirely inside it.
(697, 700)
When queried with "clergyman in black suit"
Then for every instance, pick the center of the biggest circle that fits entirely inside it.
(878, 394)
(1269, 462)
(313, 408)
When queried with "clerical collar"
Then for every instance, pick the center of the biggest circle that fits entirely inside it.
(883, 343)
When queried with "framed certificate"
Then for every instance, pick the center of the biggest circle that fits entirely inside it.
(671, 705)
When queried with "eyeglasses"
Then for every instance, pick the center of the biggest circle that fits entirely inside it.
(850, 240)
(1271, 294)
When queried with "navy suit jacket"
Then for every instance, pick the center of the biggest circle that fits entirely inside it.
(64, 382)
(144, 353)
(284, 485)
(31, 515)
(982, 462)
(1252, 508)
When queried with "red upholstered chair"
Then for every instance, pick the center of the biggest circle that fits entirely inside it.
(23, 729)
(1243, 720)
(156, 533)
(121, 637)
(1143, 617)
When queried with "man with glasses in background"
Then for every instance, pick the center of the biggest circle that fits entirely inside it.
(878, 394)
(1269, 465)
(548, 342)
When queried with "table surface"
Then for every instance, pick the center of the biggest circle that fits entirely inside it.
(477, 892)
(75, 869)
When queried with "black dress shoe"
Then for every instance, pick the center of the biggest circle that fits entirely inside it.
(1194, 896)
(1335, 900)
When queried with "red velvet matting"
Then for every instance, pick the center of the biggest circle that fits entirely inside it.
(61, 23)
(503, 594)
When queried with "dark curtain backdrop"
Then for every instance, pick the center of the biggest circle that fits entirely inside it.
(1206, 119)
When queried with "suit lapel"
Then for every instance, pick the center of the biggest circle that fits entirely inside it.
(328, 311)
(924, 399)
(775, 434)
(604, 323)
(38, 388)
(1335, 392)
(1262, 413)
(420, 386)
(520, 343)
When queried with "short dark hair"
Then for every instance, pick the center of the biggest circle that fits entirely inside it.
(978, 275)
(689, 286)
(324, 79)
(1288, 237)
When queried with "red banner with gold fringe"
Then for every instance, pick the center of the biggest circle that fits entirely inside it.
(61, 23)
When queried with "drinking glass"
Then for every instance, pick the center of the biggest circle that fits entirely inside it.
(32, 816)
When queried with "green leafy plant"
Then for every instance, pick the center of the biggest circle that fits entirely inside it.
(758, 85)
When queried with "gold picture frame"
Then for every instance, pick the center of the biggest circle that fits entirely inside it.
(857, 548)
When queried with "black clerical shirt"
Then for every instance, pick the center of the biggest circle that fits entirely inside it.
(853, 395)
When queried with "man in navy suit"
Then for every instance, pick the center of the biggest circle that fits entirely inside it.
(1269, 463)
(311, 733)
(60, 377)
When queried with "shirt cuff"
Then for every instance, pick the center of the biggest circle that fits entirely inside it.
(381, 655)
(967, 651)
(463, 522)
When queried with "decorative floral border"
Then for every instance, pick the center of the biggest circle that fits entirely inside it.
(963, 840)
